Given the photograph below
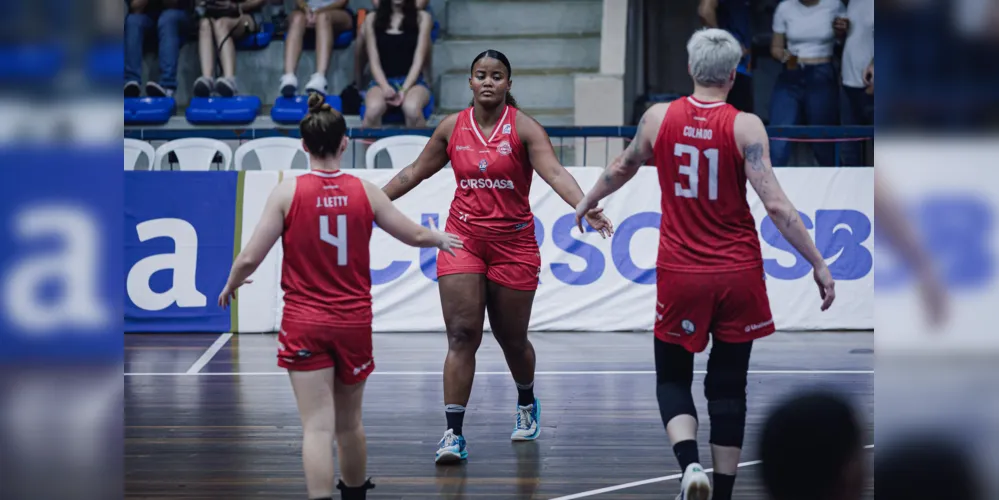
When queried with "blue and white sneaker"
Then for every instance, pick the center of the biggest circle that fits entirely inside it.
(451, 449)
(528, 422)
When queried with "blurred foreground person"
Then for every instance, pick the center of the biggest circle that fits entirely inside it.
(812, 449)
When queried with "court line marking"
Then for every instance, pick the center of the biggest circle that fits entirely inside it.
(438, 373)
(209, 354)
(643, 482)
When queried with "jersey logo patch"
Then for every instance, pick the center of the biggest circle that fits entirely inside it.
(504, 148)
(483, 164)
(506, 128)
(688, 326)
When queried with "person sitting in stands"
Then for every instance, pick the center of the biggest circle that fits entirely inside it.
(398, 40)
(222, 23)
(328, 18)
(170, 18)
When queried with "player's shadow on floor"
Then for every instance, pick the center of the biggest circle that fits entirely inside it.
(452, 480)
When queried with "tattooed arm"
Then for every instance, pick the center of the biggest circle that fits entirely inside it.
(431, 160)
(626, 165)
(751, 137)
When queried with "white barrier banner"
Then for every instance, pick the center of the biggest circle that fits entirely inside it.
(588, 283)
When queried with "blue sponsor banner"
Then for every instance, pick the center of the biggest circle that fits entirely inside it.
(179, 237)
(60, 254)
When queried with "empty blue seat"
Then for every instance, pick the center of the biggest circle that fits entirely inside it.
(223, 110)
(148, 110)
(291, 111)
(31, 64)
(395, 115)
(104, 62)
(259, 40)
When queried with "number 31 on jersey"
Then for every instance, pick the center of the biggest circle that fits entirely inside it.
(690, 170)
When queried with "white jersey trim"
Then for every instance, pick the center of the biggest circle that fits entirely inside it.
(496, 128)
(705, 105)
(328, 175)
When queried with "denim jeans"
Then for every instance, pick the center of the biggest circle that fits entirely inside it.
(856, 108)
(169, 26)
(808, 95)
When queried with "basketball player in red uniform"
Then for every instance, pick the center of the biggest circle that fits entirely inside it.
(324, 219)
(709, 273)
(494, 150)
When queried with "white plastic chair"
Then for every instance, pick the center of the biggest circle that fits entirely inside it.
(135, 148)
(402, 149)
(194, 153)
(274, 153)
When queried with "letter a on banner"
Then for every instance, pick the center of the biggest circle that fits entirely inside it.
(183, 261)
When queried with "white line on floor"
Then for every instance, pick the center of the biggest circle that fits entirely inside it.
(194, 370)
(209, 354)
(650, 481)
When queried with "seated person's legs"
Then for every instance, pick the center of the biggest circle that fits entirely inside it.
(169, 27)
(205, 84)
(375, 106)
(136, 24)
(415, 101)
(297, 23)
(227, 30)
(329, 21)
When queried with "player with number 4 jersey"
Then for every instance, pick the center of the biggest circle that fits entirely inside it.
(709, 273)
(325, 218)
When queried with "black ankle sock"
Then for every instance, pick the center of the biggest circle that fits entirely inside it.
(722, 487)
(686, 453)
(354, 492)
(455, 415)
(525, 394)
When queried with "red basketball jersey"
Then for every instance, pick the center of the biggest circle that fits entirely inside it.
(494, 178)
(706, 223)
(326, 276)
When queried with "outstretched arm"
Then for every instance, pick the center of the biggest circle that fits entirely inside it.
(546, 164)
(626, 164)
(400, 227)
(431, 160)
(264, 236)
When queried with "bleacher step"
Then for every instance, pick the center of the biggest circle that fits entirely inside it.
(524, 53)
(552, 17)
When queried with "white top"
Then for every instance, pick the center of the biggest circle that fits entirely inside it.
(808, 30)
(859, 48)
(318, 4)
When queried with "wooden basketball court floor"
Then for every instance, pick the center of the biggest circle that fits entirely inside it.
(210, 416)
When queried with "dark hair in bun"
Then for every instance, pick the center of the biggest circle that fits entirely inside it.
(323, 128)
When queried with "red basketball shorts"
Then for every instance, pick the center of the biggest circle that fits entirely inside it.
(513, 263)
(731, 306)
(308, 347)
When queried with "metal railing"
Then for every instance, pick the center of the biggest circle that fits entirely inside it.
(582, 138)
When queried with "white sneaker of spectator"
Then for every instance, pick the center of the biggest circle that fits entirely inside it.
(317, 83)
(289, 85)
(226, 87)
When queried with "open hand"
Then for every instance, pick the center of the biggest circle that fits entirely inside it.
(445, 241)
(600, 222)
(229, 294)
(827, 287)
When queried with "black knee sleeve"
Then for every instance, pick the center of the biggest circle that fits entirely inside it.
(725, 389)
(354, 492)
(674, 376)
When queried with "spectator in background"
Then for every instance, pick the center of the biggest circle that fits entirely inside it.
(806, 92)
(812, 448)
(734, 16)
(222, 23)
(170, 19)
(398, 40)
(857, 107)
(361, 48)
(327, 17)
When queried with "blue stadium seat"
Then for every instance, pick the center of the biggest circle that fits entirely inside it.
(259, 40)
(31, 63)
(395, 115)
(435, 33)
(148, 110)
(223, 110)
(104, 62)
(291, 111)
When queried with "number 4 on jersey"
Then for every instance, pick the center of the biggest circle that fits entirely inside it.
(340, 240)
(691, 171)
